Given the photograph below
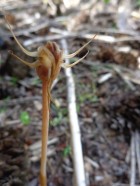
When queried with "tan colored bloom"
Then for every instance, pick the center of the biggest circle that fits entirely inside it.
(50, 59)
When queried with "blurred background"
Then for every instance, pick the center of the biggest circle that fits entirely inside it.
(107, 85)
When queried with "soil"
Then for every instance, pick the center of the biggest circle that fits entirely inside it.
(108, 107)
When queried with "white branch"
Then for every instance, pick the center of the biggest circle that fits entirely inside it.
(74, 125)
(138, 151)
(133, 161)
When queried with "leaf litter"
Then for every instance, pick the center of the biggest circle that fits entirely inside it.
(108, 112)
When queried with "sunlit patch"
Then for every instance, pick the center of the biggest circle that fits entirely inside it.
(139, 62)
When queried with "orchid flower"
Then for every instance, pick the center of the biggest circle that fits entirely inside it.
(49, 60)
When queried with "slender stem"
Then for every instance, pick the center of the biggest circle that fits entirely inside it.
(45, 127)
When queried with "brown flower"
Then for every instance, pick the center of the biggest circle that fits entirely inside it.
(50, 59)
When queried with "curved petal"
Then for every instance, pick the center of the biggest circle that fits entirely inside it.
(32, 54)
(34, 64)
(64, 65)
(79, 50)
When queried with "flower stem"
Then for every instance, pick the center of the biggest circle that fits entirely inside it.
(45, 127)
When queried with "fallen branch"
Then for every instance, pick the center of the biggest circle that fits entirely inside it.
(122, 184)
(133, 161)
(61, 34)
(137, 141)
(122, 75)
(74, 126)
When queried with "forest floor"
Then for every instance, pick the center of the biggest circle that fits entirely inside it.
(107, 91)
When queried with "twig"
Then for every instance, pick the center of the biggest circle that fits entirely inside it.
(98, 30)
(100, 34)
(74, 126)
(61, 34)
(122, 184)
(123, 76)
(133, 161)
(35, 149)
(93, 163)
(67, 168)
(36, 155)
(37, 145)
(44, 23)
(138, 150)
(11, 5)
(13, 122)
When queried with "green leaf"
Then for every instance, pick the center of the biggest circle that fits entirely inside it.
(36, 81)
(14, 80)
(25, 118)
(67, 151)
(138, 2)
(57, 120)
(106, 1)
(3, 110)
(1, 62)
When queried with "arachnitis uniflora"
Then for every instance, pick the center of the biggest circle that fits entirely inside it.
(49, 60)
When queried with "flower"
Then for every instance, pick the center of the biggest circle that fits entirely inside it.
(50, 59)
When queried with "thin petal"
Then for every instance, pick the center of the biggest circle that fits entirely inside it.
(79, 50)
(34, 64)
(32, 54)
(64, 65)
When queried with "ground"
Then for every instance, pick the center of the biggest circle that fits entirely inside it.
(107, 98)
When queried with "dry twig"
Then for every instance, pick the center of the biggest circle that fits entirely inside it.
(133, 161)
(137, 141)
(74, 125)
(122, 184)
(61, 34)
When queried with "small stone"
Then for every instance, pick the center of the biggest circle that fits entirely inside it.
(37, 105)
(88, 168)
